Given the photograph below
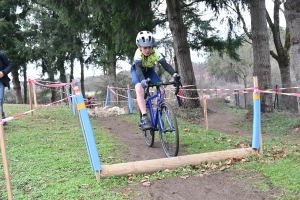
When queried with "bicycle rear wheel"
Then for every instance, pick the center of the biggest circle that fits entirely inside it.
(168, 130)
(148, 134)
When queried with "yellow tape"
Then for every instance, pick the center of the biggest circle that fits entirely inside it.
(256, 96)
(81, 106)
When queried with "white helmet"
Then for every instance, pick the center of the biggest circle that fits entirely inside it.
(145, 39)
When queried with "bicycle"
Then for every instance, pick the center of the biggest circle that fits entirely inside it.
(163, 120)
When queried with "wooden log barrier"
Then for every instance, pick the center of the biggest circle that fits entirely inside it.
(148, 166)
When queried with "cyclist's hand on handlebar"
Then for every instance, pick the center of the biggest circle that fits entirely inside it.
(144, 83)
(177, 78)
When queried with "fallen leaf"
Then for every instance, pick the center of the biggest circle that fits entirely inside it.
(213, 166)
(222, 168)
(195, 167)
(228, 161)
(184, 177)
(144, 180)
(146, 184)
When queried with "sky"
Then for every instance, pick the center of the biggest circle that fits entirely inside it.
(32, 72)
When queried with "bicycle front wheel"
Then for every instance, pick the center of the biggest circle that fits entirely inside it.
(168, 130)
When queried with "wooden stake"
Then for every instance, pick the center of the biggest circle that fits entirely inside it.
(117, 96)
(30, 97)
(205, 112)
(61, 94)
(34, 96)
(5, 161)
(97, 175)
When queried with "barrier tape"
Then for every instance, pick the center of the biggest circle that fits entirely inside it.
(32, 81)
(27, 112)
(235, 91)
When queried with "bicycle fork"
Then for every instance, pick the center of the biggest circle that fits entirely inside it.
(161, 121)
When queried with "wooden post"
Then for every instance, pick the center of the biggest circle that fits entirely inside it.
(61, 94)
(34, 95)
(97, 175)
(5, 160)
(117, 96)
(205, 112)
(30, 97)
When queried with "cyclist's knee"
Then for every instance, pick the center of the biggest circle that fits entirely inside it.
(139, 89)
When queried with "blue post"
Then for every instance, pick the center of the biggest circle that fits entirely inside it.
(256, 120)
(107, 97)
(129, 100)
(88, 133)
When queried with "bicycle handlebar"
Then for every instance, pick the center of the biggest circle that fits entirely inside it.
(176, 84)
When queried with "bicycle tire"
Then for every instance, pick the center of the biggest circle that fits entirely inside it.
(170, 138)
(148, 134)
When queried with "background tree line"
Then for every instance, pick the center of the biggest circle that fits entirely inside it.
(53, 34)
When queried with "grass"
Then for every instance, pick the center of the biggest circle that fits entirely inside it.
(48, 159)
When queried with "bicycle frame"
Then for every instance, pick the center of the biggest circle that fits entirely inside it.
(163, 120)
(157, 118)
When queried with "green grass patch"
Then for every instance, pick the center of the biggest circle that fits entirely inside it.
(275, 124)
(48, 158)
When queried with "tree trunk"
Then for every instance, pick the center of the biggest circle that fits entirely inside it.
(112, 78)
(292, 16)
(17, 85)
(82, 76)
(182, 53)
(62, 71)
(282, 57)
(260, 38)
(72, 69)
(53, 91)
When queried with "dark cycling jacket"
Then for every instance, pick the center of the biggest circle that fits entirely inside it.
(5, 66)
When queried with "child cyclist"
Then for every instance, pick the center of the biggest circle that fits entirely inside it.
(145, 59)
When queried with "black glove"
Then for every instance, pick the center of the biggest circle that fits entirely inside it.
(144, 83)
(176, 77)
